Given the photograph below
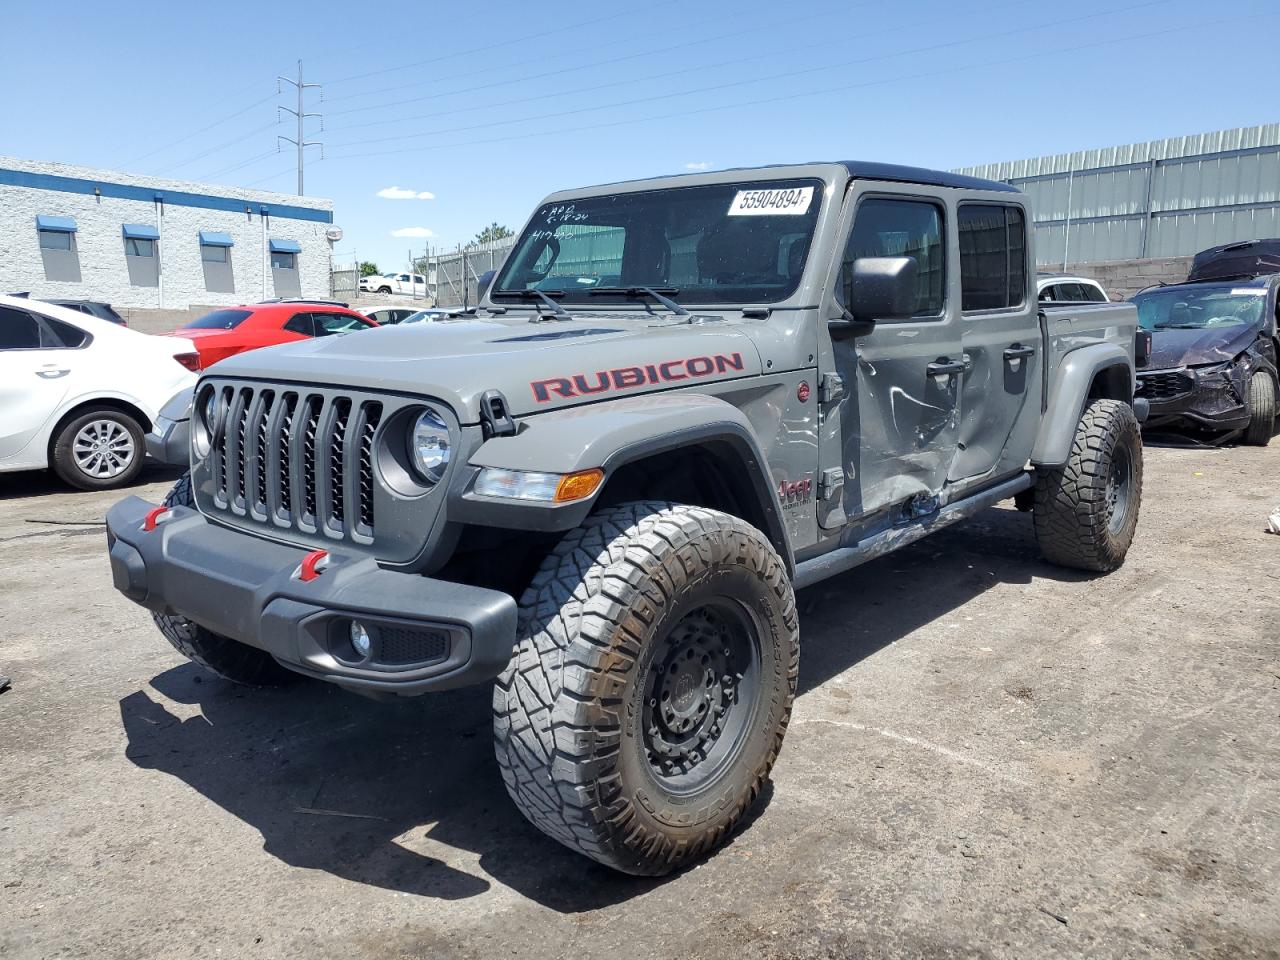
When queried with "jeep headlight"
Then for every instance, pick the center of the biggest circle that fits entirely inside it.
(429, 446)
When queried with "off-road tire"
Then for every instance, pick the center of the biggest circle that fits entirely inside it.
(229, 659)
(1262, 410)
(1075, 520)
(569, 709)
(62, 456)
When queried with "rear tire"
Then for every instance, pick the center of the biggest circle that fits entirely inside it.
(1086, 512)
(651, 686)
(1262, 410)
(99, 449)
(229, 659)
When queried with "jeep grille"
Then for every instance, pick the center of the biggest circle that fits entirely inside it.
(290, 458)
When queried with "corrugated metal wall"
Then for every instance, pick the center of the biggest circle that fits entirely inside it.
(1164, 198)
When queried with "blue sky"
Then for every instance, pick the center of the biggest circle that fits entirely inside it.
(474, 112)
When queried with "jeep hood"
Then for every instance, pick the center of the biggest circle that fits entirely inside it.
(1190, 348)
(538, 366)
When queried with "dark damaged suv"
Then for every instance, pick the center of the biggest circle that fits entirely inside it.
(1213, 361)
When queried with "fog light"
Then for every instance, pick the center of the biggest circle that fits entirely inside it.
(360, 639)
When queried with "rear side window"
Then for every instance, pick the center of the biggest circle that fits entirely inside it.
(993, 256)
(18, 330)
(900, 228)
(63, 334)
(301, 323)
(219, 320)
(1093, 294)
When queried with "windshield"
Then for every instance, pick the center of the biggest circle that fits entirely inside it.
(1200, 306)
(723, 243)
(218, 320)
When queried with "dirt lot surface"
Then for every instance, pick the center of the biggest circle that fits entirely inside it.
(989, 757)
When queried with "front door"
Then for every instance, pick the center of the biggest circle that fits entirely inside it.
(34, 374)
(898, 418)
(1000, 334)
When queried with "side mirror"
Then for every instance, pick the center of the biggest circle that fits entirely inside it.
(875, 288)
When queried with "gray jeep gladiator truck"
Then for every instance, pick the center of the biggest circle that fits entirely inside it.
(679, 401)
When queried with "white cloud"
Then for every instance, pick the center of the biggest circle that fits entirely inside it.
(415, 232)
(700, 165)
(400, 193)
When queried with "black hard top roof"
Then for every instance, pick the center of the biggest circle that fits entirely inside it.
(868, 170)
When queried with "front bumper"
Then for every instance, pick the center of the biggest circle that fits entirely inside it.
(427, 634)
(168, 441)
(1213, 403)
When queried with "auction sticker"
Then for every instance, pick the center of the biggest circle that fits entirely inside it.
(778, 202)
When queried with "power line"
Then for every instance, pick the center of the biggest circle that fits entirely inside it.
(697, 68)
(843, 88)
(788, 74)
(216, 123)
(592, 64)
(219, 147)
(523, 39)
(241, 165)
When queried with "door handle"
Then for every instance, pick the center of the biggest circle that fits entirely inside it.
(945, 366)
(1018, 352)
(52, 374)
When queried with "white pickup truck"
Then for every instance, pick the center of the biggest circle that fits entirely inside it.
(410, 285)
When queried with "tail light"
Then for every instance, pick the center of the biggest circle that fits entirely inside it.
(189, 360)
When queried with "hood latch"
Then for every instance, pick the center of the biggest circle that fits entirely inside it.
(495, 415)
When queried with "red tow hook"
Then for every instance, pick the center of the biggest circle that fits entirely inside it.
(155, 516)
(312, 565)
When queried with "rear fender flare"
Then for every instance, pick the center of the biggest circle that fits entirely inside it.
(1071, 391)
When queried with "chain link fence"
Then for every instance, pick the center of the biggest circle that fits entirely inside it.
(344, 282)
(452, 277)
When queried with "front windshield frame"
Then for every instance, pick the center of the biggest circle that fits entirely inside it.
(1157, 307)
(680, 223)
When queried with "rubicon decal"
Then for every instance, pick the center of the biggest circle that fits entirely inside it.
(624, 378)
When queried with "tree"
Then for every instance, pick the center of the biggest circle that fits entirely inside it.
(368, 268)
(494, 231)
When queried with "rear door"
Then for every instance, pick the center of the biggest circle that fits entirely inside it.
(899, 413)
(36, 370)
(1000, 335)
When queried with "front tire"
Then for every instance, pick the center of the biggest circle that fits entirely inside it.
(652, 684)
(1086, 512)
(229, 659)
(99, 449)
(1262, 410)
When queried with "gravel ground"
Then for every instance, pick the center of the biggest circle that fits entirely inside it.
(989, 757)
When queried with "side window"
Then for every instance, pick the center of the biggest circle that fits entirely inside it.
(1049, 293)
(18, 330)
(63, 335)
(993, 256)
(328, 324)
(886, 227)
(1093, 294)
(301, 323)
(404, 277)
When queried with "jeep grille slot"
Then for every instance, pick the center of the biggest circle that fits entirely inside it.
(297, 460)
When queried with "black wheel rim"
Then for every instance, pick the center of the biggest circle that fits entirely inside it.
(700, 695)
(1119, 486)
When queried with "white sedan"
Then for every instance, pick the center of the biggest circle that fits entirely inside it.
(77, 393)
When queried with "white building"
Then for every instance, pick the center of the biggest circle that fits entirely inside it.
(134, 241)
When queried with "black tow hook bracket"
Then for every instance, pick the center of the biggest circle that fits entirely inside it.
(495, 415)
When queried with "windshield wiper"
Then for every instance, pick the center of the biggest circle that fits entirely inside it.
(658, 293)
(543, 295)
(1178, 326)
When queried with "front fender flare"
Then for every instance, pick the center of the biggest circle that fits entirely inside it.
(1070, 393)
(609, 435)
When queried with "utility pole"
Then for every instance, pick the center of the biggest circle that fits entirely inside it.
(301, 143)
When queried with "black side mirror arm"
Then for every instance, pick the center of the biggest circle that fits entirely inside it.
(847, 326)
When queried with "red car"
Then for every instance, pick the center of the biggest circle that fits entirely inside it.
(224, 333)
